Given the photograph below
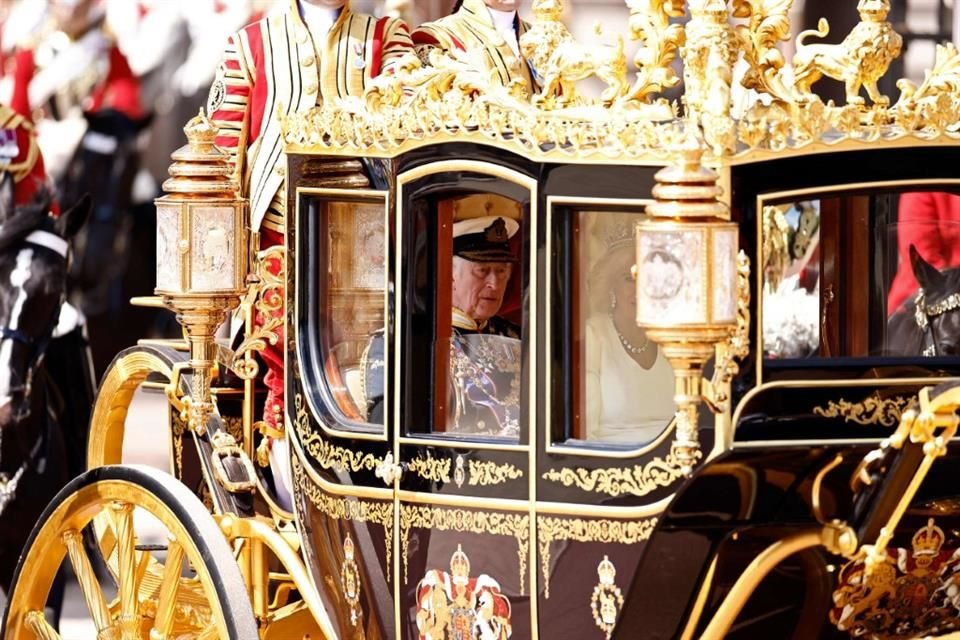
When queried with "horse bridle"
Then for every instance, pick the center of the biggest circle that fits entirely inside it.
(923, 313)
(53, 242)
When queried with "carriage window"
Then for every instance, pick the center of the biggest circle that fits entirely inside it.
(464, 350)
(352, 300)
(618, 387)
(860, 276)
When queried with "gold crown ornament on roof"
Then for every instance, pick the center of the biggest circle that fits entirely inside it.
(458, 96)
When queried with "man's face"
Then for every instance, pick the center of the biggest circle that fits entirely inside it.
(478, 287)
(329, 4)
(503, 5)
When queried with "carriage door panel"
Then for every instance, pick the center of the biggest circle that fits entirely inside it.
(337, 250)
(463, 384)
(605, 465)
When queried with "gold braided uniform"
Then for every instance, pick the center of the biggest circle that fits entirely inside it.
(470, 29)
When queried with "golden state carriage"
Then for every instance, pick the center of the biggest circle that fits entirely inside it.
(764, 455)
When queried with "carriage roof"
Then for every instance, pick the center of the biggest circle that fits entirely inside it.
(457, 100)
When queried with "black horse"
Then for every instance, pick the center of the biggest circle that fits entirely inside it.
(34, 461)
(928, 324)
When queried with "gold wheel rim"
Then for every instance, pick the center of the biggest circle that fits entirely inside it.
(153, 601)
(105, 445)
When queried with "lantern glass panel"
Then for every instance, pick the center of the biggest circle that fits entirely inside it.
(212, 260)
(671, 286)
(724, 275)
(168, 241)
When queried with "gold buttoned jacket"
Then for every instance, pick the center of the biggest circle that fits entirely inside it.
(274, 68)
(471, 28)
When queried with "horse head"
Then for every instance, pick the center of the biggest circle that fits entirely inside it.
(33, 276)
(929, 324)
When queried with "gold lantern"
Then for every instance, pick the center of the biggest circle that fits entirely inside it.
(687, 283)
(201, 252)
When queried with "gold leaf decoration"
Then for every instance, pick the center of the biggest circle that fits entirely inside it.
(639, 480)
(325, 453)
(871, 411)
(515, 525)
(552, 529)
(352, 509)
(430, 468)
(485, 473)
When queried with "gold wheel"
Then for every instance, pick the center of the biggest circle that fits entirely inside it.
(107, 425)
(187, 587)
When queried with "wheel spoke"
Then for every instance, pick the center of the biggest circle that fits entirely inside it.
(40, 627)
(168, 592)
(87, 579)
(127, 573)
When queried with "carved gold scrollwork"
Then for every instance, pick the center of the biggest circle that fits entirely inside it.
(430, 468)
(639, 480)
(933, 106)
(873, 410)
(352, 509)
(660, 42)
(552, 529)
(325, 453)
(264, 299)
(768, 25)
(485, 473)
(737, 346)
(514, 525)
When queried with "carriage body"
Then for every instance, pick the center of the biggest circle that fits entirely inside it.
(542, 482)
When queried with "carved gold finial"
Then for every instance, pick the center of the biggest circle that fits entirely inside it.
(201, 132)
(200, 166)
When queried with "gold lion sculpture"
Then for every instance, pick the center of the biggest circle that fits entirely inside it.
(859, 61)
(559, 61)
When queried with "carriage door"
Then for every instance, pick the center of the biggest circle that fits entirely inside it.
(463, 342)
(605, 467)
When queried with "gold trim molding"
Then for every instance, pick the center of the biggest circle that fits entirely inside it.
(325, 453)
(551, 529)
(485, 473)
(430, 468)
(617, 481)
(515, 525)
(871, 411)
(352, 509)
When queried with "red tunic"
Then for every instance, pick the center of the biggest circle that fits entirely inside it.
(930, 222)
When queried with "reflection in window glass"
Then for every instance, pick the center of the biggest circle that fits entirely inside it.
(626, 386)
(353, 304)
(861, 275)
(791, 292)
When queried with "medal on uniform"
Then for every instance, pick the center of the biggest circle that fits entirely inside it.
(359, 62)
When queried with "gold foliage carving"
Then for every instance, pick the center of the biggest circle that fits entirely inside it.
(873, 410)
(659, 44)
(485, 473)
(264, 298)
(551, 529)
(515, 525)
(768, 25)
(430, 468)
(618, 481)
(352, 509)
(325, 453)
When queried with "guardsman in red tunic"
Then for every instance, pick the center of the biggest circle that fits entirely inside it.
(289, 62)
(491, 26)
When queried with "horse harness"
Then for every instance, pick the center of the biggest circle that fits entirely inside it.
(8, 484)
(923, 313)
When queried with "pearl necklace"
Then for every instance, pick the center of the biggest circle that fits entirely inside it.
(630, 347)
